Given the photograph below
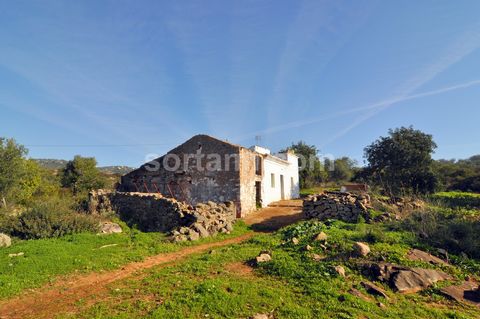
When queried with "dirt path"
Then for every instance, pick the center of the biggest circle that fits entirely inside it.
(63, 296)
(276, 216)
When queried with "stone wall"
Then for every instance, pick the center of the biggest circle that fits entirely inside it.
(336, 205)
(196, 180)
(154, 212)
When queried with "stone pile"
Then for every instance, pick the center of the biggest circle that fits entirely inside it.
(152, 212)
(204, 220)
(347, 207)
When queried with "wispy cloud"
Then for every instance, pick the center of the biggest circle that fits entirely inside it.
(368, 111)
(462, 47)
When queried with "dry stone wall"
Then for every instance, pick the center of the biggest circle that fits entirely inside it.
(153, 212)
(347, 207)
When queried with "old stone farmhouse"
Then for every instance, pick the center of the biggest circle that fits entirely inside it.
(208, 169)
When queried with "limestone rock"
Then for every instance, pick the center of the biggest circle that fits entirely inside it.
(468, 292)
(5, 240)
(295, 241)
(416, 279)
(340, 271)
(321, 237)
(317, 257)
(420, 255)
(361, 249)
(201, 230)
(263, 258)
(374, 290)
(193, 235)
(110, 228)
(308, 248)
(260, 316)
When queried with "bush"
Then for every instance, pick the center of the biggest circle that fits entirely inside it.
(47, 220)
(455, 233)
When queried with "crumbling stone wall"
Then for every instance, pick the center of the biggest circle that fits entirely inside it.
(336, 205)
(154, 212)
(193, 182)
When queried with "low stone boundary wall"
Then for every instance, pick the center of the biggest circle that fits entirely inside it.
(152, 212)
(347, 207)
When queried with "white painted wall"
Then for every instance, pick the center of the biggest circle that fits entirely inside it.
(281, 164)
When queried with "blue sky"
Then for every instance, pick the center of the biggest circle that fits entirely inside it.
(119, 80)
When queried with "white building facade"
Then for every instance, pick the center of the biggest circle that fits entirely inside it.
(279, 176)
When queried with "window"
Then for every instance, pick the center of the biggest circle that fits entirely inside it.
(258, 165)
(272, 180)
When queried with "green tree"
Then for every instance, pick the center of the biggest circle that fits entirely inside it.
(343, 170)
(81, 175)
(11, 167)
(312, 173)
(402, 162)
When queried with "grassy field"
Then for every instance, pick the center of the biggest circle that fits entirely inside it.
(224, 283)
(457, 199)
(221, 284)
(45, 259)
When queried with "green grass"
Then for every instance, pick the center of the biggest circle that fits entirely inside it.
(45, 260)
(316, 190)
(457, 199)
(292, 285)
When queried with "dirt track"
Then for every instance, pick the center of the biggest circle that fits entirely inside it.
(63, 296)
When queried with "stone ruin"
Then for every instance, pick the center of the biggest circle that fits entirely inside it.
(152, 212)
(347, 207)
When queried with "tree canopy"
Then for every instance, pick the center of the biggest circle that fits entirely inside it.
(402, 162)
(81, 175)
(311, 170)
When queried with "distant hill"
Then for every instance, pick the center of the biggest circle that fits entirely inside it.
(57, 164)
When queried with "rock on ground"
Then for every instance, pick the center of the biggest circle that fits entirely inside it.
(321, 237)
(416, 279)
(263, 258)
(419, 255)
(361, 249)
(340, 271)
(5, 240)
(374, 290)
(110, 228)
(468, 292)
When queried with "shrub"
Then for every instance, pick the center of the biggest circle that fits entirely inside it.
(47, 220)
(455, 233)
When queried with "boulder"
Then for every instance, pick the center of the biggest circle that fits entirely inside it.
(420, 255)
(110, 228)
(260, 316)
(308, 248)
(295, 241)
(361, 249)
(468, 292)
(416, 279)
(5, 240)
